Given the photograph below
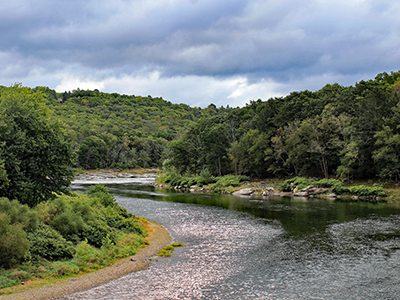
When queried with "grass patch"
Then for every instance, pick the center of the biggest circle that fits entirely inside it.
(168, 250)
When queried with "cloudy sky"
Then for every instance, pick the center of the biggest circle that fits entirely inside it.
(197, 52)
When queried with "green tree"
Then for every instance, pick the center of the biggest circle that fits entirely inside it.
(36, 159)
(387, 154)
(92, 152)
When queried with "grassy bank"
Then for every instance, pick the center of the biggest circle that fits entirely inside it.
(66, 236)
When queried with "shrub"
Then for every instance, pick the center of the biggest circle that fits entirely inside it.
(299, 182)
(19, 213)
(228, 180)
(205, 177)
(6, 281)
(361, 190)
(15, 219)
(326, 183)
(339, 189)
(100, 192)
(47, 243)
(14, 243)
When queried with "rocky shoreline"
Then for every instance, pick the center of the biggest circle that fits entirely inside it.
(308, 192)
(112, 174)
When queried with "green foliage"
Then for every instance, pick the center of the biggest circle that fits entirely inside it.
(327, 183)
(100, 192)
(205, 177)
(75, 234)
(299, 182)
(168, 250)
(35, 158)
(339, 189)
(361, 190)
(46, 242)
(16, 220)
(7, 279)
(173, 178)
(14, 243)
(228, 180)
(92, 218)
(19, 213)
(349, 132)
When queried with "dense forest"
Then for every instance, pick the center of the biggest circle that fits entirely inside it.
(345, 132)
(120, 131)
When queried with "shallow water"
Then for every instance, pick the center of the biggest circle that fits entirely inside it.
(249, 248)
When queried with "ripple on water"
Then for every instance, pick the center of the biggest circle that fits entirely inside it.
(233, 255)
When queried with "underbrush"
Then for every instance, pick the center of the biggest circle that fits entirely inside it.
(338, 187)
(66, 236)
(173, 178)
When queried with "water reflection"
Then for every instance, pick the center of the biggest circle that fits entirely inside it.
(252, 248)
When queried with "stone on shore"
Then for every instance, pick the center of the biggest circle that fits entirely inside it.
(244, 192)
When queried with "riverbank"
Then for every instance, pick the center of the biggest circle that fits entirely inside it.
(294, 187)
(158, 237)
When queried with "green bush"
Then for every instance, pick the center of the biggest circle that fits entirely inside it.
(339, 189)
(362, 190)
(205, 177)
(326, 183)
(16, 219)
(6, 280)
(13, 242)
(299, 182)
(48, 243)
(228, 180)
(100, 191)
(95, 231)
(19, 213)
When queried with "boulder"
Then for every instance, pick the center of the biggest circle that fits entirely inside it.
(301, 194)
(244, 192)
(331, 196)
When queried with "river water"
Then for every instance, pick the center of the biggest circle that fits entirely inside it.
(261, 248)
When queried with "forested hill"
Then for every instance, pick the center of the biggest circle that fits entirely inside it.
(120, 131)
(347, 132)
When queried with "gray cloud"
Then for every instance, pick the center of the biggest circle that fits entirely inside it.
(286, 42)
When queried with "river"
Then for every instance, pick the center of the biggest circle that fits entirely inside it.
(261, 248)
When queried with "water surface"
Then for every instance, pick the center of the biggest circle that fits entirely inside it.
(261, 248)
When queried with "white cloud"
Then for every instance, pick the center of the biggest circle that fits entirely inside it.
(198, 52)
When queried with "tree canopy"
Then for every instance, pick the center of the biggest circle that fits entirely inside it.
(35, 159)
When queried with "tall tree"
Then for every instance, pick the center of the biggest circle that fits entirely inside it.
(36, 159)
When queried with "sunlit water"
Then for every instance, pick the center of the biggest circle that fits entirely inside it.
(247, 248)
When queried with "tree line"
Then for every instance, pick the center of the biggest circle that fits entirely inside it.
(120, 131)
(345, 132)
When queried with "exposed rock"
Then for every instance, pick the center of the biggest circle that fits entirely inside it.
(332, 196)
(280, 194)
(268, 191)
(244, 192)
(301, 194)
(314, 191)
(307, 188)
